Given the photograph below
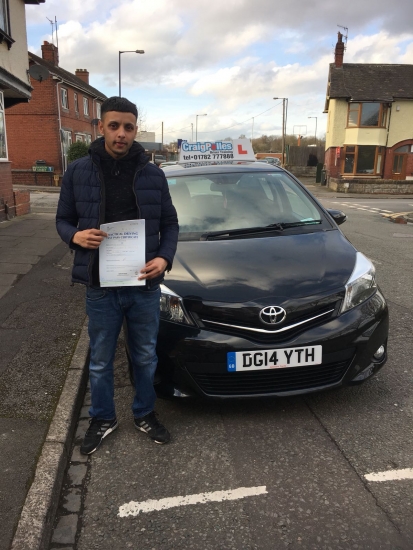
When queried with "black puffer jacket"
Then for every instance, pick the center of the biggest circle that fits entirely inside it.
(82, 206)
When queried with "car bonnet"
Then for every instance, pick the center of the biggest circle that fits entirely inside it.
(246, 269)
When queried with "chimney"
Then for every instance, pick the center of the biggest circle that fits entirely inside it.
(50, 53)
(339, 51)
(83, 74)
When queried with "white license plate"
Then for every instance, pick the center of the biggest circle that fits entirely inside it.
(283, 358)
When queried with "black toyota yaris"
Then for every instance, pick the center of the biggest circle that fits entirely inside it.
(266, 295)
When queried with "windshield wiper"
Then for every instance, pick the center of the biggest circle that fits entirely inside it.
(279, 226)
(244, 231)
(284, 225)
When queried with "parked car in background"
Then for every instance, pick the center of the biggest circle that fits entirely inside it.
(266, 295)
(273, 160)
(168, 163)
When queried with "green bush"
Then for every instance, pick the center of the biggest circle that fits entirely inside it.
(77, 150)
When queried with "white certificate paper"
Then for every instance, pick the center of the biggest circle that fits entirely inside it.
(122, 253)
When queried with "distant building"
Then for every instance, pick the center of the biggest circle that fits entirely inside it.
(370, 113)
(145, 137)
(64, 108)
(14, 88)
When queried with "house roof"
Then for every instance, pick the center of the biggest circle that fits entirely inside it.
(370, 82)
(70, 78)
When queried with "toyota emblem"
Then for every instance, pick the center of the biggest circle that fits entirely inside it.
(272, 315)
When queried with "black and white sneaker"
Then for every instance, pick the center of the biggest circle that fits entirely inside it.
(151, 426)
(97, 431)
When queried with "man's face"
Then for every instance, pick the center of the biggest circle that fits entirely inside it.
(119, 130)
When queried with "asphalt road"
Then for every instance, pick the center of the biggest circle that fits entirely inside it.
(297, 467)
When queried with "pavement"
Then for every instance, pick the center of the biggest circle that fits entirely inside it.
(43, 347)
(43, 353)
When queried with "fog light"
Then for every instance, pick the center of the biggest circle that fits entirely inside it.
(379, 353)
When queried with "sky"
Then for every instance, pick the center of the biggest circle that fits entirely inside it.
(226, 60)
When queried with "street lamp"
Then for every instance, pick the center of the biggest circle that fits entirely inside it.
(126, 51)
(285, 108)
(196, 125)
(315, 134)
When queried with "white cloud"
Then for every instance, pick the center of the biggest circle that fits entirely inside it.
(225, 58)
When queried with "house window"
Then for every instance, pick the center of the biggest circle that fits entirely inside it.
(362, 159)
(367, 114)
(88, 139)
(76, 102)
(65, 102)
(3, 143)
(98, 112)
(79, 137)
(85, 106)
(4, 16)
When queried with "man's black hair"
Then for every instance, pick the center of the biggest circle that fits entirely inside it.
(120, 104)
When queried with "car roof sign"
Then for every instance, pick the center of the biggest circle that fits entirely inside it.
(215, 152)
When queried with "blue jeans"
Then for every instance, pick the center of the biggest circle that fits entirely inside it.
(107, 309)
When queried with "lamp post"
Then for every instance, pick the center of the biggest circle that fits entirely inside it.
(126, 51)
(196, 125)
(285, 107)
(315, 134)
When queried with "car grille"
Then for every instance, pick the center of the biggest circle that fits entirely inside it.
(271, 381)
(275, 334)
(242, 320)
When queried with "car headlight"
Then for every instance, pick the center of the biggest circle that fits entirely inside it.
(361, 284)
(172, 307)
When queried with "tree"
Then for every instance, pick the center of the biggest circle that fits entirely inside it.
(77, 150)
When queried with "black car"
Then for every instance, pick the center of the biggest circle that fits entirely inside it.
(266, 295)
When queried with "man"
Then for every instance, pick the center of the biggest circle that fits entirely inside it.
(116, 182)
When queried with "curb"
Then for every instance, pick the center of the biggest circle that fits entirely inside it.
(38, 513)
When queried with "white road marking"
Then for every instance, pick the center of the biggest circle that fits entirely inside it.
(391, 475)
(133, 508)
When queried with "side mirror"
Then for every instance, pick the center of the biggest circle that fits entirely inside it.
(338, 216)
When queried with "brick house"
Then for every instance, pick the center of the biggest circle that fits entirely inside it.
(14, 88)
(64, 108)
(370, 121)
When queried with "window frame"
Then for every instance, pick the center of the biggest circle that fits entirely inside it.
(378, 160)
(64, 97)
(5, 33)
(86, 106)
(98, 111)
(76, 102)
(382, 116)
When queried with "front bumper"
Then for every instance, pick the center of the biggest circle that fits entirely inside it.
(194, 360)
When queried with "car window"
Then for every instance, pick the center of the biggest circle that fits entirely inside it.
(216, 202)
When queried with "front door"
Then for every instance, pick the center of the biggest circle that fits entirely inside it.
(399, 166)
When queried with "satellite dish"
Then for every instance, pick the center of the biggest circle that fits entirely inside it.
(38, 72)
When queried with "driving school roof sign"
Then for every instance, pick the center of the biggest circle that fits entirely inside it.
(215, 152)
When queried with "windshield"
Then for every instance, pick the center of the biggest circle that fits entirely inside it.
(218, 202)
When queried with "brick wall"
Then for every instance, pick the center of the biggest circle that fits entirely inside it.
(22, 202)
(6, 191)
(389, 187)
(28, 177)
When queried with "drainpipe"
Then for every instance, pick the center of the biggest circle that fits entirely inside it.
(60, 121)
(93, 109)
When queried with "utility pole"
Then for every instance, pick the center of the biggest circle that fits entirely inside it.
(252, 133)
(192, 129)
(162, 135)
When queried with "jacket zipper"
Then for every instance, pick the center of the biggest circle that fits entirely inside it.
(148, 283)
